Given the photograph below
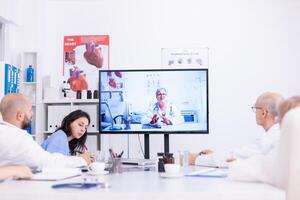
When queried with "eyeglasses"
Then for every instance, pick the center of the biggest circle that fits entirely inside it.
(161, 94)
(255, 108)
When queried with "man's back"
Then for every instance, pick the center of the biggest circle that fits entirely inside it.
(18, 147)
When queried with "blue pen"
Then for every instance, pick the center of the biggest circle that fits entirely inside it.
(80, 185)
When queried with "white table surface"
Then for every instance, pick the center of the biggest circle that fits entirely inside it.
(143, 185)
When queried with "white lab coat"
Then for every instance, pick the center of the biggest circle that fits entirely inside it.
(280, 168)
(261, 146)
(18, 147)
(172, 113)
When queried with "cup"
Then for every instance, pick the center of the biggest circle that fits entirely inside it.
(99, 156)
(115, 165)
(185, 158)
(97, 167)
(172, 168)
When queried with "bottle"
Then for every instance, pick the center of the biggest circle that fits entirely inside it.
(89, 94)
(161, 165)
(95, 94)
(65, 89)
(29, 74)
(160, 162)
(169, 159)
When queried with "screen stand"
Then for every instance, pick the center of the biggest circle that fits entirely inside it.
(147, 146)
(166, 143)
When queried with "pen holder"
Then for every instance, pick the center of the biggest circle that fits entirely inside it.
(115, 165)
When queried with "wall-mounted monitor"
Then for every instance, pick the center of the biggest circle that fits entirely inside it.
(152, 101)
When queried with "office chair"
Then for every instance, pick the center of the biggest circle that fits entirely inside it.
(119, 119)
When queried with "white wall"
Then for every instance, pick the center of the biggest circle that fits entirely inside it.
(254, 46)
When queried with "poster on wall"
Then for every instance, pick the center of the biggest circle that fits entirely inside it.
(83, 56)
(184, 57)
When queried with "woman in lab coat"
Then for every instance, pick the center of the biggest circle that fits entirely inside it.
(163, 112)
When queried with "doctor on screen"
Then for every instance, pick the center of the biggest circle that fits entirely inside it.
(163, 112)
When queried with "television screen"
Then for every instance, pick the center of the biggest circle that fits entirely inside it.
(153, 101)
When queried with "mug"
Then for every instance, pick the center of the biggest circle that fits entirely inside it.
(97, 167)
(172, 168)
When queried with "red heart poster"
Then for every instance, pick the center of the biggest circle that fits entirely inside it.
(83, 57)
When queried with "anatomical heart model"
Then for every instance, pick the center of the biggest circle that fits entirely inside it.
(83, 57)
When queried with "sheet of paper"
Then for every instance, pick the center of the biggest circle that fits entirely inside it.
(55, 174)
(209, 172)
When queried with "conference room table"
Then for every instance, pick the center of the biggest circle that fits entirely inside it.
(142, 185)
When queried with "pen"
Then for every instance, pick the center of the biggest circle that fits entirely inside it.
(76, 185)
(120, 155)
(112, 155)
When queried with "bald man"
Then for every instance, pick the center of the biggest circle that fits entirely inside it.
(266, 114)
(280, 168)
(18, 148)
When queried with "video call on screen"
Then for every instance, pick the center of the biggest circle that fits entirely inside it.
(129, 101)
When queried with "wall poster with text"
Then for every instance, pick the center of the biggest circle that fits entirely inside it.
(83, 56)
(184, 57)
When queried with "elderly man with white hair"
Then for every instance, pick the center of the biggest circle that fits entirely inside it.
(266, 113)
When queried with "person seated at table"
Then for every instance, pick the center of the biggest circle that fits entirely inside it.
(17, 171)
(163, 112)
(18, 147)
(70, 137)
(266, 114)
(281, 167)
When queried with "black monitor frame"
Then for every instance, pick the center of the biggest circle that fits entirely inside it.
(156, 131)
(147, 133)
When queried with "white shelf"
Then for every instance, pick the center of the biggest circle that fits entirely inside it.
(70, 101)
(30, 88)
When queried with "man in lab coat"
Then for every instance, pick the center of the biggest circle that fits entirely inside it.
(281, 167)
(266, 112)
(18, 147)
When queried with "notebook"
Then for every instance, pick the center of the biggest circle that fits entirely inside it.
(56, 174)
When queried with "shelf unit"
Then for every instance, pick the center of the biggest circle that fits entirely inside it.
(30, 88)
(57, 109)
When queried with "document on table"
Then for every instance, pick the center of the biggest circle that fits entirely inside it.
(209, 172)
(55, 174)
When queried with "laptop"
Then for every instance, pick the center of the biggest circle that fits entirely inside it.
(138, 161)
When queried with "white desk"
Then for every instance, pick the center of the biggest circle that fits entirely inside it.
(144, 185)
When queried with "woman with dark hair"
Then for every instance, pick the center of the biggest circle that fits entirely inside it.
(70, 138)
